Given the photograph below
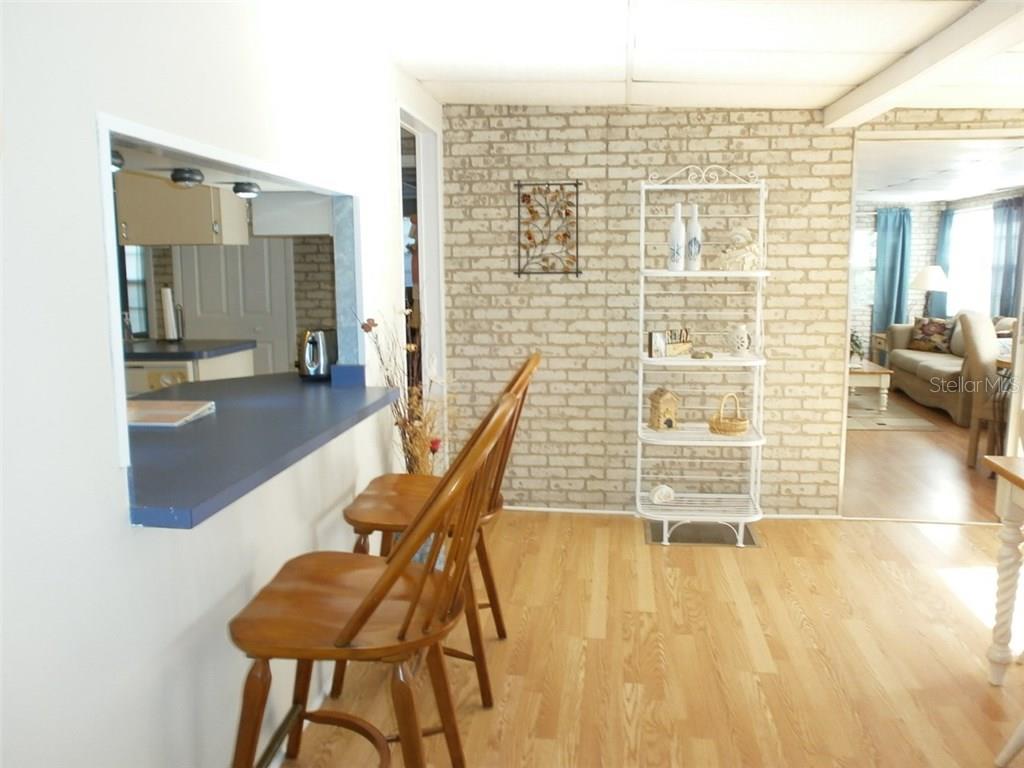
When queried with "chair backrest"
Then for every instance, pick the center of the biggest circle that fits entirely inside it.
(518, 387)
(449, 519)
(981, 349)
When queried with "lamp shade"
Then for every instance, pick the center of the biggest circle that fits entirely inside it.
(931, 278)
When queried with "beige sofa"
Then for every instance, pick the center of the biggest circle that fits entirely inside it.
(930, 378)
(935, 379)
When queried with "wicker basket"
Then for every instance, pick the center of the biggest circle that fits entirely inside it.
(721, 424)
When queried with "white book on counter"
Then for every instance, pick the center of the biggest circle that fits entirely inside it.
(167, 413)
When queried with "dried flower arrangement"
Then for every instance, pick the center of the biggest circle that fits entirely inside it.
(417, 417)
(548, 228)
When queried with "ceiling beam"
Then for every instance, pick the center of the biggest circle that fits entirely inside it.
(991, 27)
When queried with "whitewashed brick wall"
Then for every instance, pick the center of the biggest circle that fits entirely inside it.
(576, 442)
(314, 282)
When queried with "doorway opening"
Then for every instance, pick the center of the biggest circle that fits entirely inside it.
(410, 256)
(923, 380)
(423, 287)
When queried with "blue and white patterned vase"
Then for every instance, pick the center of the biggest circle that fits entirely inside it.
(695, 243)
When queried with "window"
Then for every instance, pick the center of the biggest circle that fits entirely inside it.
(862, 258)
(970, 261)
(136, 294)
(862, 279)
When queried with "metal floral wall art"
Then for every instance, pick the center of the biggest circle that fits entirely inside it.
(548, 227)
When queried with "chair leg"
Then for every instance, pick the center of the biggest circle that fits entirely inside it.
(991, 437)
(476, 640)
(405, 713)
(362, 546)
(972, 442)
(445, 707)
(484, 559)
(254, 701)
(338, 680)
(300, 695)
(387, 540)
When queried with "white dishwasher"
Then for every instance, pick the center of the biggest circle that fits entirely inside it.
(146, 377)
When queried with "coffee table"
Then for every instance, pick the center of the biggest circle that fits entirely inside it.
(872, 376)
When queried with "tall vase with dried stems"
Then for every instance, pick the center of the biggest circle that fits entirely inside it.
(416, 413)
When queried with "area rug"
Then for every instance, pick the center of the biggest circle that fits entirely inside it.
(863, 413)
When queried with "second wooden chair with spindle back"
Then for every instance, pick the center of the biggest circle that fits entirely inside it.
(981, 380)
(329, 606)
(389, 504)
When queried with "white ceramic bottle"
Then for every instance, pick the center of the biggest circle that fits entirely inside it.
(695, 242)
(677, 242)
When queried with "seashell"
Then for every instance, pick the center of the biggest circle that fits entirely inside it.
(662, 494)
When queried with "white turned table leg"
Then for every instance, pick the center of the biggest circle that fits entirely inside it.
(999, 655)
(1012, 748)
(883, 397)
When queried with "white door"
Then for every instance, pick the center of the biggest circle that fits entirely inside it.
(239, 292)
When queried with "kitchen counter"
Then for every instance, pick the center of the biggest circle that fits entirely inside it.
(263, 425)
(149, 350)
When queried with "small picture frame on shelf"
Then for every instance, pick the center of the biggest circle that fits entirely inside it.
(679, 343)
(672, 343)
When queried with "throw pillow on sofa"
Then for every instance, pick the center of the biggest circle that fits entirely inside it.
(931, 334)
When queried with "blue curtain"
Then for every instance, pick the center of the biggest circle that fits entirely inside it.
(937, 307)
(892, 265)
(1007, 255)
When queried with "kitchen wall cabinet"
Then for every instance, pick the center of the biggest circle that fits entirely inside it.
(153, 211)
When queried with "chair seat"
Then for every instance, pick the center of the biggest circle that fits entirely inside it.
(390, 502)
(300, 613)
(403, 484)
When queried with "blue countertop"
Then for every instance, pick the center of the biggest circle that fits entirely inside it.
(155, 350)
(263, 425)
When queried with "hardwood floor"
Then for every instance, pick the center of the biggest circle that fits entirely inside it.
(916, 475)
(834, 643)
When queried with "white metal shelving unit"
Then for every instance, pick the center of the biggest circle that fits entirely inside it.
(716, 478)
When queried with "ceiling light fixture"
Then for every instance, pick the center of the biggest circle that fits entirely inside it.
(246, 189)
(187, 177)
(116, 161)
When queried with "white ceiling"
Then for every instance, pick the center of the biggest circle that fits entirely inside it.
(701, 53)
(929, 170)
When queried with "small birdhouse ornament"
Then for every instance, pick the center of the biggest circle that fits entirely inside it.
(664, 409)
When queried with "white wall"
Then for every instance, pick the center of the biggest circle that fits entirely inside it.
(123, 630)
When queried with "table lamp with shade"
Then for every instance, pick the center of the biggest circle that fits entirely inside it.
(931, 279)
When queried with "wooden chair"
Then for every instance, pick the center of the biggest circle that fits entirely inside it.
(329, 606)
(980, 375)
(390, 503)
